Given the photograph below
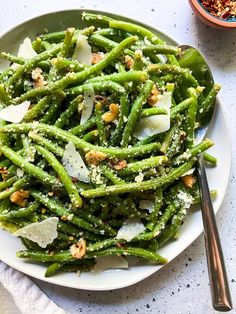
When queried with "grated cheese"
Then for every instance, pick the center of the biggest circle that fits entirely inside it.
(43, 233)
(15, 113)
(74, 163)
(130, 229)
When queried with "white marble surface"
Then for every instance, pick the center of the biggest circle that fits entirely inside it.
(182, 286)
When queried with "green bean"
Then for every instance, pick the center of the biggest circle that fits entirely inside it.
(182, 106)
(12, 58)
(20, 213)
(50, 145)
(45, 257)
(80, 129)
(53, 37)
(7, 183)
(129, 251)
(4, 97)
(97, 87)
(36, 44)
(68, 113)
(5, 205)
(63, 175)
(121, 78)
(30, 64)
(192, 112)
(54, 106)
(173, 69)
(62, 64)
(100, 19)
(135, 29)
(160, 225)
(33, 170)
(67, 43)
(152, 112)
(144, 164)
(97, 246)
(163, 49)
(100, 125)
(209, 158)
(60, 211)
(170, 232)
(104, 228)
(28, 150)
(168, 138)
(153, 216)
(208, 104)
(135, 112)
(111, 175)
(138, 60)
(19, 184)
(91, 136)
(78, 233)
(37, 109)
(193, 152)
(52, 268)
(79, 143)
(173, 175)
(123, 114)
(73, 78)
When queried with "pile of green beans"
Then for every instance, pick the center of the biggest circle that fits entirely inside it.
(130, 75)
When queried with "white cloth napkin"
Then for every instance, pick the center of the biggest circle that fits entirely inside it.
(19, 295)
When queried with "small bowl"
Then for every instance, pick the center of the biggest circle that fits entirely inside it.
(209, 19)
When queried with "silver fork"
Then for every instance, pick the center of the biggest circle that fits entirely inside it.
(221, 298)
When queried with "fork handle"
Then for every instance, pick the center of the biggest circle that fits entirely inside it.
(215, 260)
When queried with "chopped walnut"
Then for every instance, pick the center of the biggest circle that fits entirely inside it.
(20, 197)
(78, 250)
(94, 157)
(38, 78)
(64, 218)
(112, 114)
(188, 180)
(97, 56)
(154, 96)
(4, 172)
(118, 164)
(129, 62)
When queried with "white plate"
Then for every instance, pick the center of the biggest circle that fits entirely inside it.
(191, 229)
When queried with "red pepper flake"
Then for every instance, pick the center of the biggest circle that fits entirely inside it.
(223, 9)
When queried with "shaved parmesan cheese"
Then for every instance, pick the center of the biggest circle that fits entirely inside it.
(15, 113)
(88, 104)
(83, 52)
(130, 229)
(74, 163)
(146, 204)
(43, 233)
(149, 126)
(26, 50)
(110, 262)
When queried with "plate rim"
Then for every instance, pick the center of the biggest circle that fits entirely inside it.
(220, 109)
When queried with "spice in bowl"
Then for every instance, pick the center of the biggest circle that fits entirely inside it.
(223, 9)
